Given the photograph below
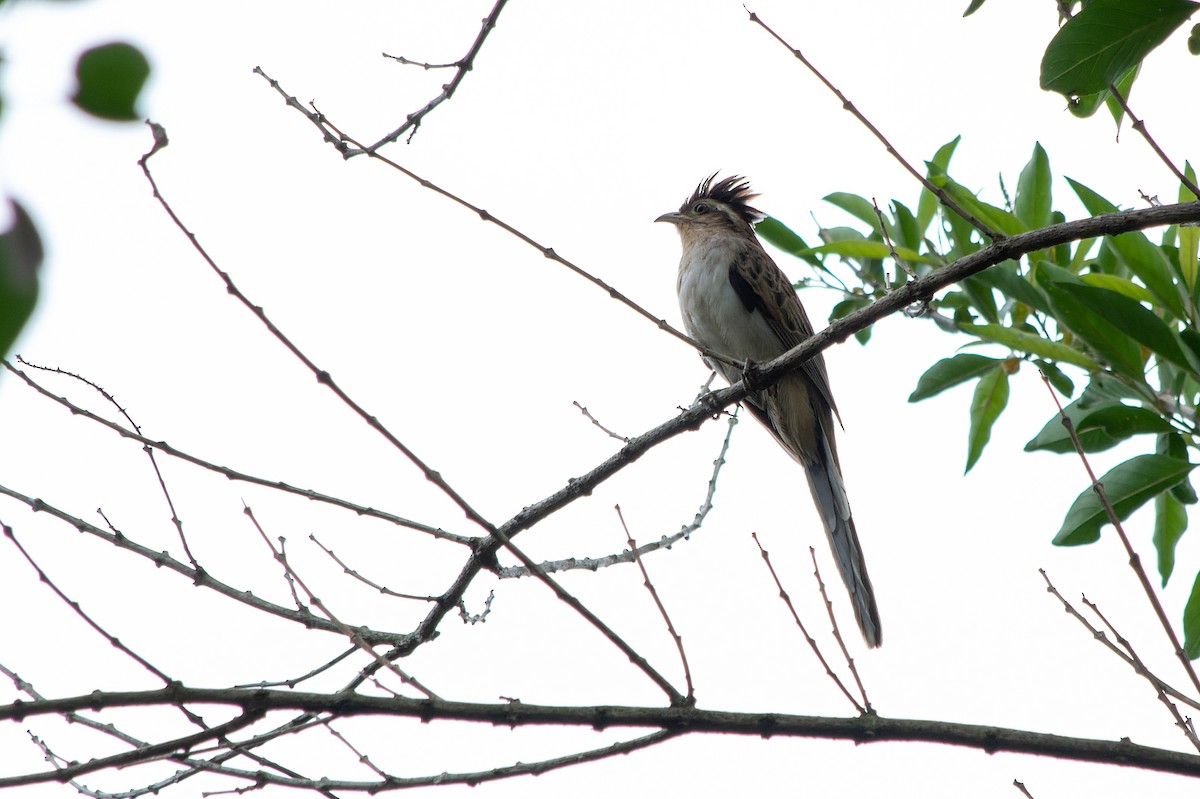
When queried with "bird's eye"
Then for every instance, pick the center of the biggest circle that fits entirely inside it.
(700, 208)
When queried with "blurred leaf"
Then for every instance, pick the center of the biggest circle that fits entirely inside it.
(1173, 445)
(907, 234)
(1128, 486)
(949, 372)
(849, 306)
(1106, 38)
(21, 256)
(780, 236)
(975, 6)
(928, 204)
(109, 79)
(1060, 381)
(865, 248)
(991, 395)
(1191, 622)
(1170, 523)
(1032, 343)
(1098, 427)
(858, 207)
(1120, 285)
(1103, 387)
(1032, 204)
(1193, 43)
(1188, 235)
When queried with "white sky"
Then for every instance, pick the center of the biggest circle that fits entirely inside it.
(579, 125)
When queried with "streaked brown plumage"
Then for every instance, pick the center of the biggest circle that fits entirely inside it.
(737, 302)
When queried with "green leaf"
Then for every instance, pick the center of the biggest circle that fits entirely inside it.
(1170, 523)
(865, 248)
(906, 227)
(1086, 105)
(1005, 278)
(1136, 253)
(1104, 387)
(20, 258)
(1120, 285)
(109, 79)
(928, 204)
(1109, 342)
(1128, 486)
(949, 372)
(1188, 236)
(783, 238)
(1191, 622)
(856, 206)
(1173, 445)
(990, 215)
(1193, 43)
(1033, 344)
(1106, 38)
(1032, 204)
(980, 294)
(1131, 319)
(849, 306)
(991, 395)
(1060, 381)
(975, 6)
(1124, 85)
(1099, 427)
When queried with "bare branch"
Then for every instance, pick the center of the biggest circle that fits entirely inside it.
(849, 106)
(678, 720)
(462, 67)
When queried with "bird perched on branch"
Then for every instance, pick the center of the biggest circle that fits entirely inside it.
(736, 301)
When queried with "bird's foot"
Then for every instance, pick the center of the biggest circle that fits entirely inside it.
(752, 376)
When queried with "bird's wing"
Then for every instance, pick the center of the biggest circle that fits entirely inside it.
(762, 287)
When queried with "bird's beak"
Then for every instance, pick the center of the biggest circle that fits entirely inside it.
(674, 218)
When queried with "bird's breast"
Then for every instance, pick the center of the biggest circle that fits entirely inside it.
(713, 313)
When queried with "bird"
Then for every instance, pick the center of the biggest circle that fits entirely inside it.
(735, 301)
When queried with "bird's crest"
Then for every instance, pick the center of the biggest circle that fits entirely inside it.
(733, 192)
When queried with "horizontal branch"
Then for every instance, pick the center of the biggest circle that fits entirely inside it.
(682, 720)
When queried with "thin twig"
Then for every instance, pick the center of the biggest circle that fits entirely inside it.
(323, 377)
(147, 448)
(1135, 561)
(78, 610)
(462, 65)
(849, 106)
(1183, 726)
(234, 474)
(595, 421)
(812, 643)
(1140, 127)
(887, 238)
(837, 633)
(684, 533)
(353, 635)
(662, 610)
(341, 141)
(383, 589)
(1100, 636)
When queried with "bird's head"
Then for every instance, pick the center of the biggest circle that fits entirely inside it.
(720, 207)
